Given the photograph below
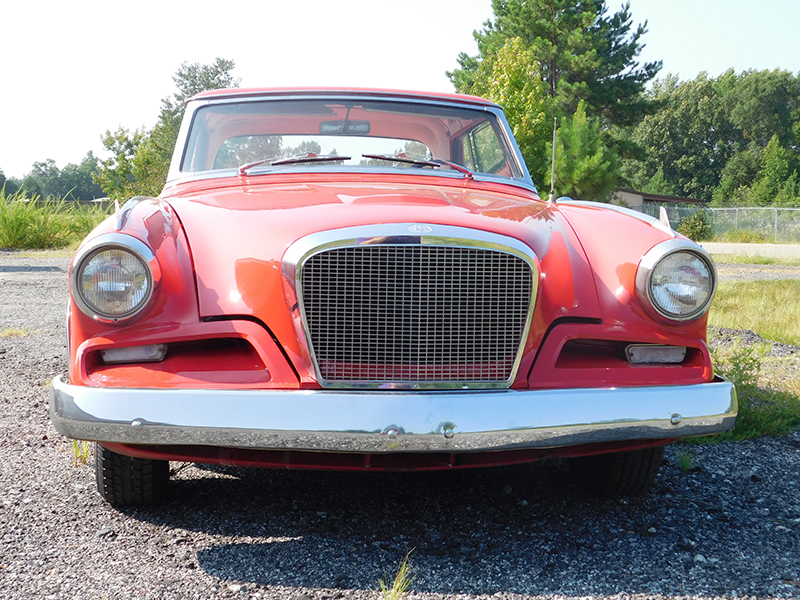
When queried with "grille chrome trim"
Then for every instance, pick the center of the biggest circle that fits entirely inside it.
(403, 238)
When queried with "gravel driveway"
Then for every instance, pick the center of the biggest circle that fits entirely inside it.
(729, 526)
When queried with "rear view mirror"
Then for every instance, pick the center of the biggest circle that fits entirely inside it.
(346, 127)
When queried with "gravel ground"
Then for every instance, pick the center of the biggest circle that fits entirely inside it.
(727, 527)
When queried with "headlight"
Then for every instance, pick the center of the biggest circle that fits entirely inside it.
(113, 277)
(676, 280)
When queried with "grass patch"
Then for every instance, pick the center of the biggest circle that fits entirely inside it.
(768, 402)
(9, 332)
(28, 223)
(402, 581)
(770, 308)
(744, 236)
(685, 459)
(768, 387)
(80, 452)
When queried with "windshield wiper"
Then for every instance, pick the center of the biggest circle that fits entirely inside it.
(306, 158)
(403, 158)
(422, 162)
(293, 160)
(460, 168)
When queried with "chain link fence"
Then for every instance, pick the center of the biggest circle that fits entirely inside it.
(745, 224)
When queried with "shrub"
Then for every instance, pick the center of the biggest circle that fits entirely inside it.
(696, 226)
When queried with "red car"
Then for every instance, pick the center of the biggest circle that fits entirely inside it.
(368, 280)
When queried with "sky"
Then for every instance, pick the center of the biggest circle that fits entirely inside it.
(72, 69)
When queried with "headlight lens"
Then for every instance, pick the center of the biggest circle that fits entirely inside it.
(677, 281)
(114, 282)
(114, 279)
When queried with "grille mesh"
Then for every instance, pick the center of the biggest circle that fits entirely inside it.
(382, 314)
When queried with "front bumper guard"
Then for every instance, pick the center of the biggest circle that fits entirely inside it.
(390, 422)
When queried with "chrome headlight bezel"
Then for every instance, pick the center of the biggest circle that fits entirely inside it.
(648, 264)
(111, 241)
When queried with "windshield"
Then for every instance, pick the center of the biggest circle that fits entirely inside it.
(257, 136)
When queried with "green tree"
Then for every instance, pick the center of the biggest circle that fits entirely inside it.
(657, 184)
(690, 138)
(8, 185)
(77, 180)
(764, 104)
(731, 139)
(115, 174)
(74, 182)
(511, 78)
(776, 182)
(583, 53)
(737, 176)
(42, 180)
(140, 159)
(586, 167)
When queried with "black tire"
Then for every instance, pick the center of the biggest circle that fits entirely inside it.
(630, 473)
(127, 481)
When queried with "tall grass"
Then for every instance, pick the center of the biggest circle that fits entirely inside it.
(770, 308)
(768, 386)
(41, 223)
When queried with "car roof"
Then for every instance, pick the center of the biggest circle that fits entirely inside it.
(325, 91)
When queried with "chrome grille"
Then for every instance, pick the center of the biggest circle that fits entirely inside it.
(382, 314)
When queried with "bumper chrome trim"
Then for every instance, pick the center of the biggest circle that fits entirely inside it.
(390, 422)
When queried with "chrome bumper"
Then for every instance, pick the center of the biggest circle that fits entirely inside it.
(389, 422)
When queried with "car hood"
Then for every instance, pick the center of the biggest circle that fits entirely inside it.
(239, 234)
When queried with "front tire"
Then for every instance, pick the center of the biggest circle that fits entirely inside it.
(630, 473)
(128, 481)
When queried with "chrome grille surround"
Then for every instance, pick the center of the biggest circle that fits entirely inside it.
(412, 305)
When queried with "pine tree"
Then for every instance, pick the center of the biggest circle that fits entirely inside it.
(583, 53)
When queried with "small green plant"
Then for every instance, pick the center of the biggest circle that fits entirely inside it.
(402, 581)
(80, 452)
(762, 410)
(696, 226)
(741, 364)
(685, 459)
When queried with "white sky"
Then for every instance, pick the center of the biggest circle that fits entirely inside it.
(71, 69)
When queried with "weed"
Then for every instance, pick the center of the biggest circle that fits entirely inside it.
(685, 459)
(402, 581)
(80, 452)
(762, 410)
(741, 364)
(9, 332)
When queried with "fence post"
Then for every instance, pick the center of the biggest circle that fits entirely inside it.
(776, 225)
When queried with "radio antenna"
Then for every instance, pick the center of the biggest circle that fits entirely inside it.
(553, 163)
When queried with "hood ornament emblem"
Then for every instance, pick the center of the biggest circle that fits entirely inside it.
(419, 229)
